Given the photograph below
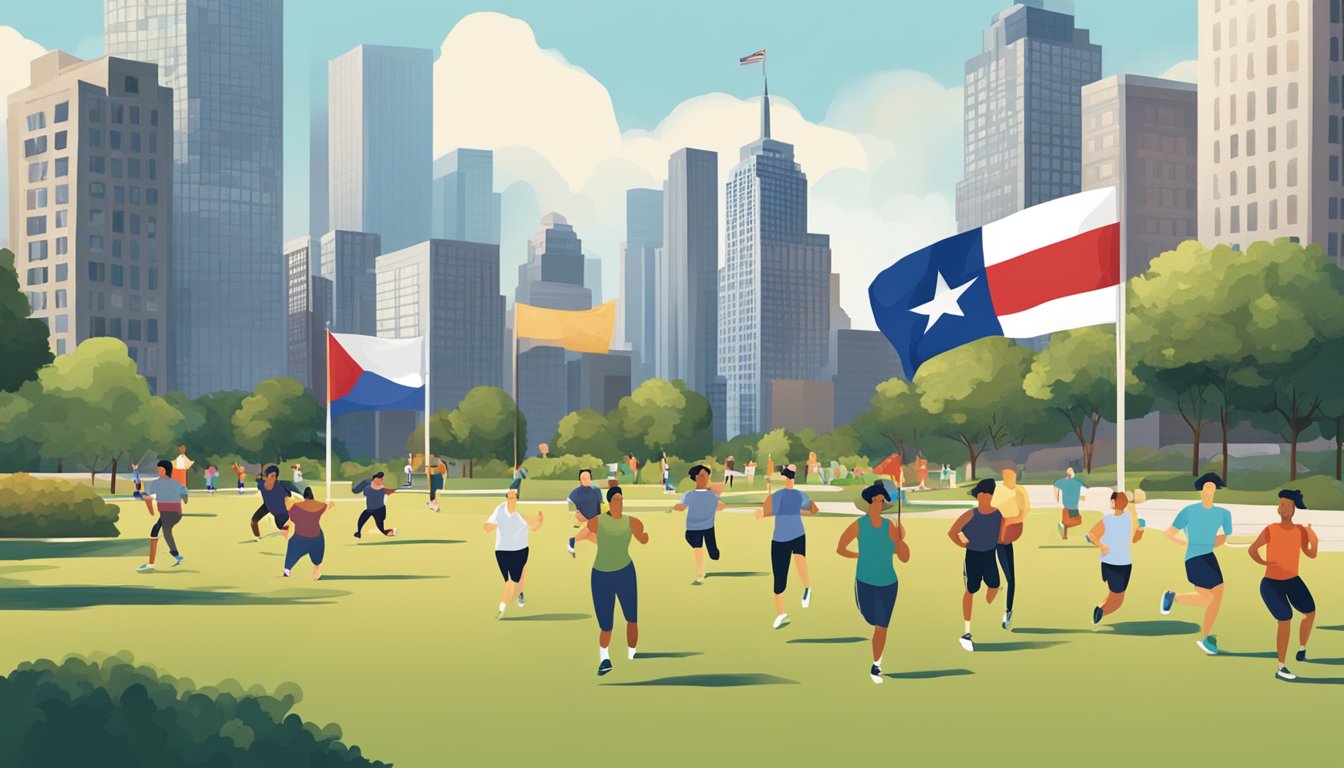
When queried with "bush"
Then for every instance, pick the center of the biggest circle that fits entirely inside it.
(493, 468)
(39, 508)
(564, 467)
(394, 472)
(107, 711)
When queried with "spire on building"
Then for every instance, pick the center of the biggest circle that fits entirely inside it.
(765, 106)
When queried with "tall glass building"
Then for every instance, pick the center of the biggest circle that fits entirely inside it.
(308, 305)
(226, 294)
(1023, 114)
(687, 295)
(464, 203)
(639, 278)
(553, 275)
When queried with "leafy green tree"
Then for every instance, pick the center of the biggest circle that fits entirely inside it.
(781, 446)
(24, 342)
(840, 441)
(442, 441)
(207, 422)
(279, 420)
(895, 422)
(18, 450)
(1075, 377)
(586, 432)
(483, 424)
(663, 417)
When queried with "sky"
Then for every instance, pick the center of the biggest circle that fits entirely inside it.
(869, 93)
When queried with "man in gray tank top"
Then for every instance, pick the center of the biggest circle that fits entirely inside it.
(979, 531)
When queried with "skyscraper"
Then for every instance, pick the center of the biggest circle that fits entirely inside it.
(775, 304)
(639, 279)
(91, 148)
(553, 275)
(465, 205)
(687, 295)
(1022, 116)
(223, 62)
(864, 359)
(319, 220)
(308, 305)
(380, 115)
(598, 381)
(1139, 136)
(592, 278)
(543, 392)
(1270, 122)
(350, 261)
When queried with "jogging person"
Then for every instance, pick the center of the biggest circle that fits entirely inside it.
(1201, 522)
(1282, 589)
(409, 470)
(181, 465)
(729, 470)
(587, 502)
(307, 540)
(241, 472)
(1112, 535)
(613, 575)
(1012, 502)
(438, 477)
(979, 531)
(139, 486)
(211, 473)
(1069, 492)
(510, 528)
(700, 506)
(273, 494)
(789, 541)
(170, 495)
(875, 582)
(375, 504)
(667, 475)
(519, 475)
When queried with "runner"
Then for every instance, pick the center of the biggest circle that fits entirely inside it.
(273, 494)
(729, 470)
(438, 478)
(241, 472)
(181, 464)
(1112, 535)
(814, 467)
(375, 504)
(875, 582)
(1011, 500)
(613, 575)
(667, 475)
(789, 541)
(519, 475)
(587, 502)
(170, 495)
(510, 528)
(409, 470)
(298, 475)
(307, 539)
(211, 472)
(979, 531)
(1201, 523)
(1069, 491)
(700, 506)
(139, 486)
(1282, 589)
(922, 465)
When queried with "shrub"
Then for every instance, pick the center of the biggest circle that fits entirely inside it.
(108, 711)
(41, 508)
(493, 468)
(393, 471)
(564, 467)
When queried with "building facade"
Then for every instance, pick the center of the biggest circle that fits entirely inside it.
(598, 381)
(90, 184)
(308, 304)
(637, 310)
(380, 123)
(350, 261)
(223, 61)
(1022, 113)
(686, 313)
(543, 393)
(464, 204)
(553, 275)
(1270, 122)
(864, 359)
(1139, 136)
(797, 405)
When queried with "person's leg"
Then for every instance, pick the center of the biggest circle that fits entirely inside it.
(604, 609)
(379, 519)
(990, 594)
(317, 552)
(699, 563)
(154, 539)
(800, 562)
(1198, 599)
(779, 568)
(282, 524)
(628, 594)
(711, 545)
(967, 605)
(1211, 612)
(256, 520)
(879, 642)
(170, 521)
(1112, 602)
(1304, 630)
(1285, 633)
(1005, 555)
(294, 551)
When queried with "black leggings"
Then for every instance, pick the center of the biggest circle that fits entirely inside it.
(379, 516)
(781, 555)
(280, 520)
(1009, 574)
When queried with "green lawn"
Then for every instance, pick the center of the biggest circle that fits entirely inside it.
(400, 645)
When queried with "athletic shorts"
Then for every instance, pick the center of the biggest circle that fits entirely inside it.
(610, 586)
(875, 603)
(697, 538)
(297, 547)
(781, 554)
(1070, 517)
(980, 567)
(1116, 577)
(511, 562)
(1282, 596)
(1203, 571)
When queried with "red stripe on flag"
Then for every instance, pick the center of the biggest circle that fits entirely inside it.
(1079, 264)
(344, 370)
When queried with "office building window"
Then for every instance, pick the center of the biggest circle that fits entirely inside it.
(37, 198)
(62, 272)
(1234, 223)
(37, 121)
(37, 249)
(132, 84)
(97, 189)
(118, 114)
(96, 243)
(62, 167)
(1252, 215)
(62, 194)
(62, 323)
(1292, 210)
(37, 276)
(37, 225)
(114, 139)
(118, 275)
(97, 271)
(61, 113)
(151, 330)
(135, 115)
(59, 140)
(133, 329)
(37, 171)
(61, 300)
(34, 146)
(62, 246)
(97, 164)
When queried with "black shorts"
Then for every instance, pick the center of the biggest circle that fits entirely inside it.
(875, 603)
(1203, 571)
(1116, 577)
(781, 554)
(980, 567)
(1282, 596)
(609, 587)
(511, 562)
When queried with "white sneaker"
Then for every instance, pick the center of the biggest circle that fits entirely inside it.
(807, 596)
(966, 643)
(630, 653)
(1284, 674)
(876, 674)
(781, 620)
(286, 573)
(145, 568)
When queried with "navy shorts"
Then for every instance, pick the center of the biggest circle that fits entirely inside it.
(980, 567)
(781, 554)
(610, 586)
(511, 563)
(315, 548)
(1116, 577)
(1203, 571)
(875, 603)
(1282, 596)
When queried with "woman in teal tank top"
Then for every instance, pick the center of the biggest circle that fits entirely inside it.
(875, 581)
(613, 577)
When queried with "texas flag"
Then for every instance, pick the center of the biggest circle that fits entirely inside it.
(374, 374)
(1048, 268)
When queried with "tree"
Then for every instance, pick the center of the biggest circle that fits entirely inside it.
(25, 344)
(840, 441)
(663, 417)
(442, 441)
(207, 423)
(781, 446)
(91, 403)
(895, 419)
(1075, 377)
(483, 425)
(279, 420)
(586, 432)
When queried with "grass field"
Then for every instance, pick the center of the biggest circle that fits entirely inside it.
(399, 644)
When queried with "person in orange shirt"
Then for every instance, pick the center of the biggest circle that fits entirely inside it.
(181, 464)
(1282, 589)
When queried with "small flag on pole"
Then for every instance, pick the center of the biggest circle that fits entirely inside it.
(368, 373)
(752, 58)
(584, 330)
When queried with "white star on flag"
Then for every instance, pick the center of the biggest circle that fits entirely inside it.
(945, 301)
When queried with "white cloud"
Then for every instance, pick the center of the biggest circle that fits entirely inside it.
(16, 52)
(1186, 71)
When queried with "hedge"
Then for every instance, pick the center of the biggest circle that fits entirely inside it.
(42, 508)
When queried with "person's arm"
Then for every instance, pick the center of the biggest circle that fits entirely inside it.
(811, 507)
(538, 523)
(1221, 538)
(847, 537)
(1176, 527)
(1056, 490)
(388, 490)
(767, 507)
(1311, 544)
(1023, 503)
(637, 530)
(148, 497)
(1095, 536)
(1136, 533)
(588, 531)
(721, 506)
(1254, 551)
(898, 536)
(954, 533)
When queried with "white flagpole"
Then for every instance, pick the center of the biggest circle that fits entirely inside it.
(328, 387)
(1120, 301)
(424, 361)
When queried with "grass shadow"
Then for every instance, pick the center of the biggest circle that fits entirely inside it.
(826, 640)
(1250, 655)
(1319, 681)
(1334, 628)
(1049, 631)
(734, 574)
(1024, 645)
(1066, 546)
(62, 598)
(726, 680)
(928, 674)
(549, 617)
(408, 542)
(1156, 628)
(1328, 662)
(380, 577)
(43, 550)
(669, 654)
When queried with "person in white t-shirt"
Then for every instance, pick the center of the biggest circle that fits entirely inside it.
(511, 528)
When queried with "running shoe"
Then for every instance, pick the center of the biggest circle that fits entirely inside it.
(630, 653)
(1208, 645)
(1284, 674)
(966, 643)
(178, 559)
(781, 620)
(697, 582)
(357, 535)
(391, 531)
(1008, 620)
(285, 573)
(1168, 599)
(571, 547)
(807, 596)
(521, 602)
(1301, 655)
(1096, 615)
(876, 674)
(604, 667)
(147, 567)
(1060, 528)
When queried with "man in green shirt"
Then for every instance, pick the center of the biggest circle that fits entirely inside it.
(613, 575)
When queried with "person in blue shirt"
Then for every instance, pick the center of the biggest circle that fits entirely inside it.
(1202, 523)
(700, 505)
(169, 495)
(789, 542)
(1069, 492)
(273, 494)
(375, 492)
(587, 501)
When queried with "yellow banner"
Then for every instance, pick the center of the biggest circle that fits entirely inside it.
(584, 330)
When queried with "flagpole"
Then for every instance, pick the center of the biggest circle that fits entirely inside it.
(1120, 378)
(328, 387)
(517, 395)
(424, 364)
